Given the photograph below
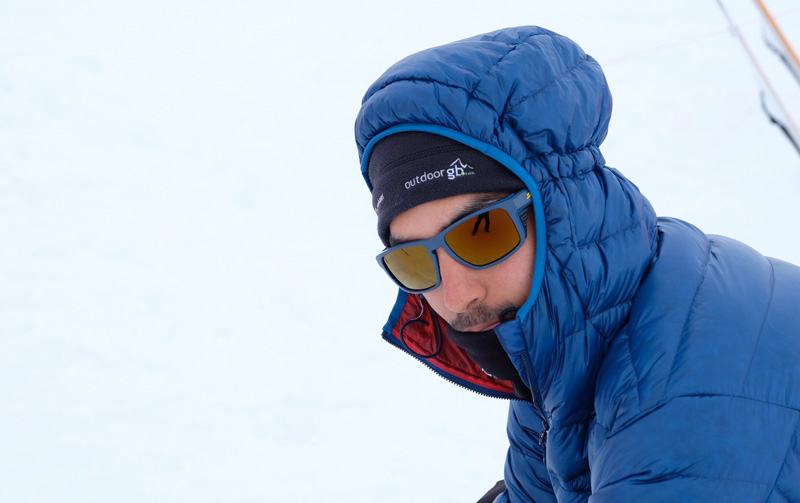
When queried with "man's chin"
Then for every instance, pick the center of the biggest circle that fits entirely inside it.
(479, 319)
(485, 327)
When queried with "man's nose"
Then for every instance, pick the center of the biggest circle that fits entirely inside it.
(460, 283)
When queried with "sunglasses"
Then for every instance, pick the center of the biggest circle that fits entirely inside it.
(479, 240)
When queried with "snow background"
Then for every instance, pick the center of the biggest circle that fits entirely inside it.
(189, 307)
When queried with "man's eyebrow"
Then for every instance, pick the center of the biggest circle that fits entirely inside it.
(472, 206)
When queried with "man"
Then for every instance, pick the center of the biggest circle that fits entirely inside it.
(644, 360)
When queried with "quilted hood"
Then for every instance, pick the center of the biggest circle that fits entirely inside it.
(533, 100)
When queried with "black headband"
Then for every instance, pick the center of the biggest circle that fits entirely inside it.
(411, 168)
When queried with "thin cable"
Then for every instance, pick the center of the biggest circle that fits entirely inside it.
(437, 329)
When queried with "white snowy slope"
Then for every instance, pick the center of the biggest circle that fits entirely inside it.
(189, 304)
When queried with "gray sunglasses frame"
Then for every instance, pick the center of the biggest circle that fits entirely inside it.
(515, 205)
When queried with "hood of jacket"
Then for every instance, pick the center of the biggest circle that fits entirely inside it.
(533, 100)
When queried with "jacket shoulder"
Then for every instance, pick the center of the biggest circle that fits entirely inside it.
(703, 383)
(711, 317)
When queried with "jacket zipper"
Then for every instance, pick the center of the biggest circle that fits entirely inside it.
(391, 340)
(538, 403)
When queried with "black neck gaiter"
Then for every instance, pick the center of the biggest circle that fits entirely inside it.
(485, 349)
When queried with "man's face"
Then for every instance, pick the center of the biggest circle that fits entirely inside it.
(470, 300)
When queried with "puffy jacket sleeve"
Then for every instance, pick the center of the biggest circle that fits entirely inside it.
(525, 474)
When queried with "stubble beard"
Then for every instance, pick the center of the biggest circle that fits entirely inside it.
(479, 315)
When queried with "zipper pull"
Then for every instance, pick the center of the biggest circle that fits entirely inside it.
(543, 440)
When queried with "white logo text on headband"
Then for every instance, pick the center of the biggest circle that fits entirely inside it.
(457, 168)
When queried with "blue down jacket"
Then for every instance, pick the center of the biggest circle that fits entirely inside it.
(664, 362)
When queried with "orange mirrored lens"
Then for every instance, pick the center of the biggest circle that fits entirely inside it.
(484, 238)
(412, 266)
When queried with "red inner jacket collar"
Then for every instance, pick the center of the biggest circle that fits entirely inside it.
(420, 337)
